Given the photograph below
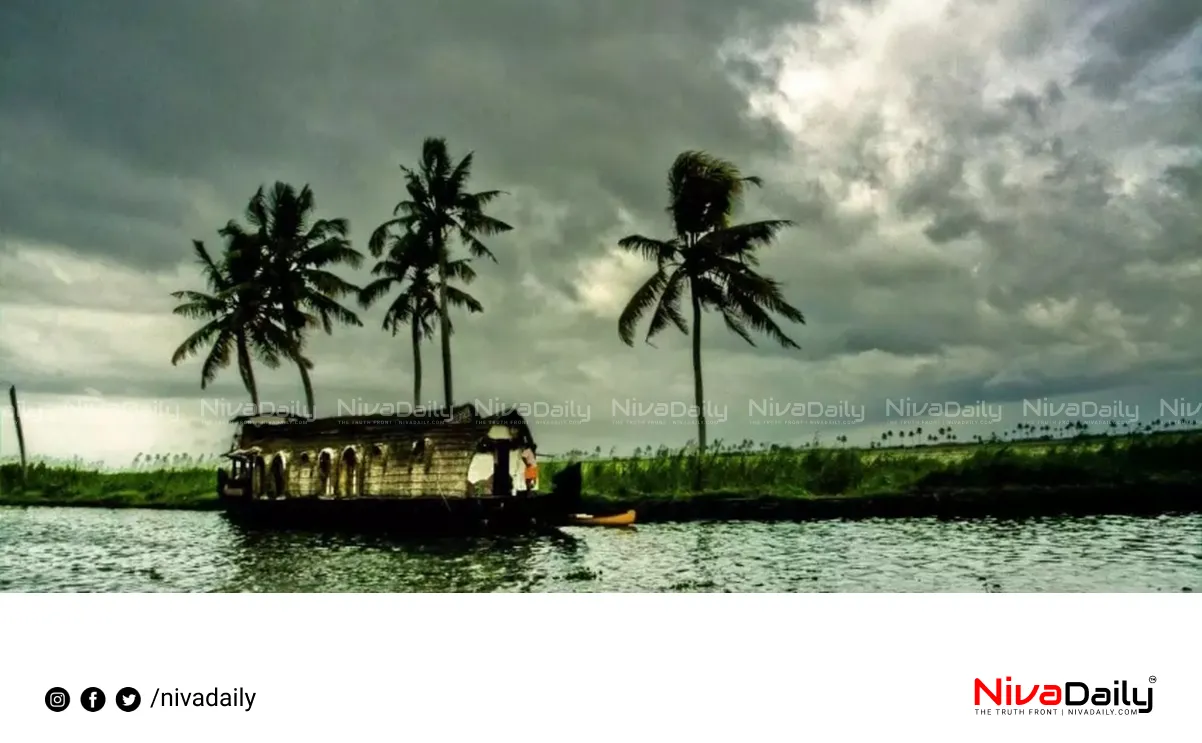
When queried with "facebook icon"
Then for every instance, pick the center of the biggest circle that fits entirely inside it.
(92, 699)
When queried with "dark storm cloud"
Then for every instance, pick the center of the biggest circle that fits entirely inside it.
(1188, 179)
(1133, 38)
(914, 342)
(233, 93)
(1169, 378)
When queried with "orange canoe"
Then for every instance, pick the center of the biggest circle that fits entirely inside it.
(619, 519)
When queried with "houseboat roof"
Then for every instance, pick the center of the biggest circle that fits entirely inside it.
(464, 423)
(269, 418)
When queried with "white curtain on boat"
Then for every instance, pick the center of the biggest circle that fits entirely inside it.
(517, 470)
(480, 469)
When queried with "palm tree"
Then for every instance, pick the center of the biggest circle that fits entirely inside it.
(712, 260)
(292, 253)
(410, 263)
(439, 208)
(235, 319)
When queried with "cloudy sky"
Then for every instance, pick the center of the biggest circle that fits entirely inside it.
(995, 201)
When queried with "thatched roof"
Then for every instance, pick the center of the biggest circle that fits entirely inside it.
(464, 425)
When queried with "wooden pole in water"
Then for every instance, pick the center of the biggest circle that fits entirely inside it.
(12, 396)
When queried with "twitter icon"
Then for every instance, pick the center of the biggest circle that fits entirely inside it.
(128, 699)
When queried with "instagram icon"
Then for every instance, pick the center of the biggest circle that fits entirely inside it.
(57, 699)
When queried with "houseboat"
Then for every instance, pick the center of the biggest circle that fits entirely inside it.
(433, 470)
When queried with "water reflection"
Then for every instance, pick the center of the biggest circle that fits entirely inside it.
(304, 561)
(45, 549)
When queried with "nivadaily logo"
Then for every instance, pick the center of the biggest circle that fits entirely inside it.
(1071, 697)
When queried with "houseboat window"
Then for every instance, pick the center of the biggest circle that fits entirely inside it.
(259, 472)
(324, 466)
(278, 481)
(350, 479)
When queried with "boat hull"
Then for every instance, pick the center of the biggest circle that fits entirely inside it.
(416, 515)
(405, 514)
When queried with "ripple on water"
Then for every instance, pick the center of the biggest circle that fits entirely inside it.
(55, 549)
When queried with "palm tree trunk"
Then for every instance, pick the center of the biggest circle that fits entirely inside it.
(12, 396)
(247, 371)
(417, 361)
(307, 383)
(698, 387)
(445, 322)
(302, 365)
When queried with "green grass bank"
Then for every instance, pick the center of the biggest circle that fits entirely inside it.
(74, 484)
(1138, 474)
(1145, 473)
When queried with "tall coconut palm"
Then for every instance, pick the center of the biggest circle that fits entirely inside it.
(440, 209)
(236, 321)
(710, 259)
(293, 253)
(410, 264)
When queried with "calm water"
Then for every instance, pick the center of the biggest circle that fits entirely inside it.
(52, 549)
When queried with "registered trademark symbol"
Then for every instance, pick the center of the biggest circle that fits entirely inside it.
(1151, 679)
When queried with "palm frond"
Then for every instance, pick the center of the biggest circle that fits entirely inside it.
(735, 325)
(742, 240)
(325, 282)
(476, 202)
(660, 251)
(476, 248)
(458, 298)
(644, 299)
(457, 179)
(197, 340)
(668, 309)
(326, 229)
(372, 293)
(257, 212)
(331, 311)
(461, 270)
(750, 298)
(479, 223)
(218, 358)
(763, 291)
(379, 236)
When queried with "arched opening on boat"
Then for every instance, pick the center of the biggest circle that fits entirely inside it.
(423, 454)
(279, 481)
(325, 467)
(350, 471)
(258, 480)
